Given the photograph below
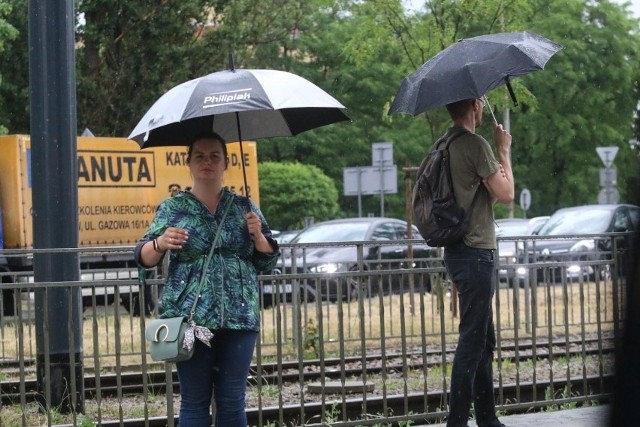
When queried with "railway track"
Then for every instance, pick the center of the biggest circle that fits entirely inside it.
(425, 407)
(334, 369)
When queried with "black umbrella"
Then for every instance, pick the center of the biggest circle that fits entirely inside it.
(237, 104)
(472, 67)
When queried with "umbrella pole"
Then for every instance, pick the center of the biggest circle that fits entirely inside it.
(244, 172)
(486, 102)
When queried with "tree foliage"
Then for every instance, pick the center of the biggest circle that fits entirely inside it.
(585, 99)
(7, 31)
(555, 130)
(132, 52)
(289, 192)
(8, 35)
(129, 53)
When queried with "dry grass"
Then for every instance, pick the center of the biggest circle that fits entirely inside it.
(114, 338)
(559, 310)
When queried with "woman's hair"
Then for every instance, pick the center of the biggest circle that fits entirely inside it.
(209, 134)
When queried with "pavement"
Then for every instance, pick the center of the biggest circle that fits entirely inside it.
(591, 416)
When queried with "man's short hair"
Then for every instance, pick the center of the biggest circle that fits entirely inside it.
(459, 108)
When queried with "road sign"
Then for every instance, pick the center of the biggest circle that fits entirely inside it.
(381, 154)
(367, 180)
(525, 199)
(608, 177)
(608, 195)
(607, 154)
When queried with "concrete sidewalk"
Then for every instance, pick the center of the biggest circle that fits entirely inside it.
(591, 416)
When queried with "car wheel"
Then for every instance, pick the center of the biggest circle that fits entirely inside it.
(352, 286)
(9, 299)
(307, 294)
(101, 301)
(427, 283)
(512, 282)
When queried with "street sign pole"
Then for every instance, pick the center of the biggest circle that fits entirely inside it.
(379, 178)
(525, 200)
(608, 178)
(359, 193)
(381, 155)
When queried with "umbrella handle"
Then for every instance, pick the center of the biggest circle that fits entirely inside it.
(232, 65)
(511, 93)
(244, 172)
(486, 102)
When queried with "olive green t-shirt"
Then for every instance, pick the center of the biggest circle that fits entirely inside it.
(472, 160)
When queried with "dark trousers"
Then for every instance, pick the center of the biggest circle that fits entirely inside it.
(221, 371)
(472, 272)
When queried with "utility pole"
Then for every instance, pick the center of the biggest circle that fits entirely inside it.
(58, 310)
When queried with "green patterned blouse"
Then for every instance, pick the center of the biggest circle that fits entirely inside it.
(230, 295)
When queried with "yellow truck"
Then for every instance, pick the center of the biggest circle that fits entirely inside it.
(119, 189)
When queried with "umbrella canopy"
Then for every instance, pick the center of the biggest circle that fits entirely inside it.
(237, 104)
(472, 67)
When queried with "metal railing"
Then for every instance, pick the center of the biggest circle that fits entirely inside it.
(368, 339)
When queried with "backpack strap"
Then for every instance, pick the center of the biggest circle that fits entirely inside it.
(448, 139)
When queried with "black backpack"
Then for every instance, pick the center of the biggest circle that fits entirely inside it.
(439, 219)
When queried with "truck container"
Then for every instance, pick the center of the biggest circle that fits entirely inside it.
(119, 189)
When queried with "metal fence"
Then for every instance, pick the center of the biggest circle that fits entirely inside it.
(366, 341)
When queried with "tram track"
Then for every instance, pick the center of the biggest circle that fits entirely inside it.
(426, 407)
(127, 382)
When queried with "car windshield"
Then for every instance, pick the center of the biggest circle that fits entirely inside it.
(577, 222)
(286, 236)
(338, 232)
(512, 229)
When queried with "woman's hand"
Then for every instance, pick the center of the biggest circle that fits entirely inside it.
(254, 225)
(172, 239)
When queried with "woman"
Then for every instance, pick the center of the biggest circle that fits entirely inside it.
(186, 225)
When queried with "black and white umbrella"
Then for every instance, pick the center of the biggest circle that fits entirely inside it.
(238, 104)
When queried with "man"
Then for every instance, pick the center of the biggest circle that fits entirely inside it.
(471, 263)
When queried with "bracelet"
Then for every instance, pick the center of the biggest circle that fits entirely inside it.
(156, 247)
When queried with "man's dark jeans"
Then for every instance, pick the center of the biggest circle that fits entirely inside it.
(472, 272)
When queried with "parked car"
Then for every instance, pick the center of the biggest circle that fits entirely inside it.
(536, 223)
(509, 250)
(285, 236)
(324, 262)
(571, 250)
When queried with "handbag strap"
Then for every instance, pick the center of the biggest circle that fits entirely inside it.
(208, 260)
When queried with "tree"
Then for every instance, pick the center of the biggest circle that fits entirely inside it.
(323, 57)
(584, 97)
(129, 54)
(289, 192)
(132, 52)
(7, 32)
(9, 13)
(359, 51)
